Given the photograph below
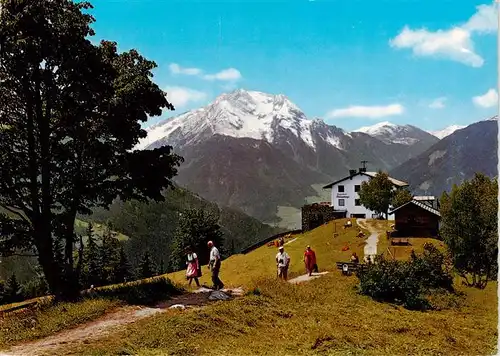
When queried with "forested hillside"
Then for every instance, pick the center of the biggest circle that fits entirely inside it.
(151, 226)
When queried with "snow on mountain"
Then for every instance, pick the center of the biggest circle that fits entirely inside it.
(239, 114)
(392, 133)
(447, 131)
(377, 129)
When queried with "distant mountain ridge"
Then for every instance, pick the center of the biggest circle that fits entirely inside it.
(453, 159)
(446, 131)
(256, 151)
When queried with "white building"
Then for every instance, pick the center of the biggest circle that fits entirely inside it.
(344, 196)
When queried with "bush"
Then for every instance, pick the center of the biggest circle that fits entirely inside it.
(407, 282)
(145, 292)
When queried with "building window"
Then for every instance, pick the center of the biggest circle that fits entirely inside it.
(357, 188)
(341, 202)
(341, 188)
(357, 203)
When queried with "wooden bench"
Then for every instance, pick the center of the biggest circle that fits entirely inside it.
(350, 266)
(400, 242)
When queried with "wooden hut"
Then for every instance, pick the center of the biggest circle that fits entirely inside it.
(416, 219)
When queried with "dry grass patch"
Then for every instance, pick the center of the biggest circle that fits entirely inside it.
(324, 316)
(45, 320)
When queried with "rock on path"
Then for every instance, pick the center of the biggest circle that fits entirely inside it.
(306, 278)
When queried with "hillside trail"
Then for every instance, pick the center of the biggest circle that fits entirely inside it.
(370, 249)
(109, 323)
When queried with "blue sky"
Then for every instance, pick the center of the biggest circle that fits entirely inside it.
(351, 62)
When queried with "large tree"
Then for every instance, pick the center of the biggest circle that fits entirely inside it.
(70, 114)
(377, 193)
(469, 226)
(196, 227)
(401, 197)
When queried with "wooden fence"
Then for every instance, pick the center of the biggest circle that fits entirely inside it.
(268, 239)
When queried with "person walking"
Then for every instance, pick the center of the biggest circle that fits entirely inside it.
(282, 262)
(310, 260)
(214, 265)
(193, 266)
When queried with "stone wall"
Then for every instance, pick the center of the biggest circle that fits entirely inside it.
(315, 215)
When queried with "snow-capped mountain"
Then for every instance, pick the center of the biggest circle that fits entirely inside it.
(256, 151)
(399, 134)
(240, 114)
(447, 131)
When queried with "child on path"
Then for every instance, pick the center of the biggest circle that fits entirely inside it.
(192, 266)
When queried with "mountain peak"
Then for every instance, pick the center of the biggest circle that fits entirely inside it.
(392, 133)
(377, 128)
(447, 131)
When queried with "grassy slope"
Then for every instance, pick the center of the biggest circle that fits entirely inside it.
(31, 324)
(322, 316)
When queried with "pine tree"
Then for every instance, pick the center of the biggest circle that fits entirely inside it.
(93, 262)
(146, 266)
(122, 271)
(13, 290)
(161, 269)
(110, 255)
(196, 228)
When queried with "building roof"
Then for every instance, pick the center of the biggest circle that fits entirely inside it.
(394, 181)
(424, 197)
(419, 204)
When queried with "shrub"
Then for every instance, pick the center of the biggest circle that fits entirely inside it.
(407, 282)
(145, 292)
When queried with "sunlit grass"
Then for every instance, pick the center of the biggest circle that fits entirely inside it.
(325, 315)
(36, 323)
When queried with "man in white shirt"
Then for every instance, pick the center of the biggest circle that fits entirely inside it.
(214, 265)
(282, 262)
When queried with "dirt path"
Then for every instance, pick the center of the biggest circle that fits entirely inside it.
(306, 278)
(110, 323)
(370, 249)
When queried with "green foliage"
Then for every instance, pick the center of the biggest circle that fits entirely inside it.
(110, 256)
(401, 197)
(70, 111)
(123, 271)
(146, 267)
(377, 193)
(13, 292)
(35, 287)
(92, 270)
(469, 228)
(143, 292)
(196, 227)
(407, 282)
(154, 224)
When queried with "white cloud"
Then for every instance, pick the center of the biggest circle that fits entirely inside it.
(177, 69)
(180, 96)
(230, 74)
(438, 103)
(372, 112)
(484, 20)
(487, 100)
(454, 43)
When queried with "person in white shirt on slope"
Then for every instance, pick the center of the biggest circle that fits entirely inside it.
(214, 266)
(282, 262)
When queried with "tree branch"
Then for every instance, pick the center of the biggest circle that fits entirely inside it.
(15, 212)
